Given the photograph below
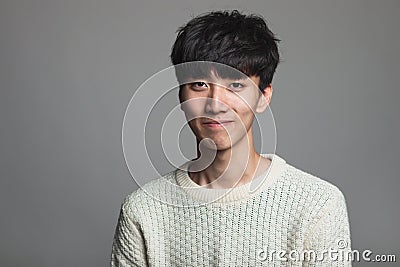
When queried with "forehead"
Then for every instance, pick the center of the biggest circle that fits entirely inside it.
(205, 69)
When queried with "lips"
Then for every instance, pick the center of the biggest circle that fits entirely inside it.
(217, 123)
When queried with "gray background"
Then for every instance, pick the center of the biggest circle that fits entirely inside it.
(69, 68)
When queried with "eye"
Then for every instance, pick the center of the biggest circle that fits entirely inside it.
(236, 85)
(198, 85)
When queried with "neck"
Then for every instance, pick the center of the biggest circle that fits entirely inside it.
(231, 167)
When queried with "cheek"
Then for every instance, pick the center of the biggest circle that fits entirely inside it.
(193, 107)
(245, 114)
(244, 105)
(193, 126)
(247, 117)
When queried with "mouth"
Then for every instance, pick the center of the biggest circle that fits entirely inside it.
(217, 124)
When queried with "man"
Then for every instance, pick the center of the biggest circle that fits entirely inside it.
(230, 206)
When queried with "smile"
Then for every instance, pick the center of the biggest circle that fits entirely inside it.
(215, 124)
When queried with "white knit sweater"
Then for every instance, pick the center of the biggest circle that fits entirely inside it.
(166, 223)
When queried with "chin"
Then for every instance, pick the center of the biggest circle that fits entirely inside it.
(217, 144)
(223, 147)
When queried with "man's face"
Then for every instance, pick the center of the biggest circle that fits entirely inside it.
(223, 109)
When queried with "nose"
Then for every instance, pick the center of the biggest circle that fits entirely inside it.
(215, 101)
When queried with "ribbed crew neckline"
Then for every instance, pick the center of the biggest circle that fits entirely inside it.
(225, 195)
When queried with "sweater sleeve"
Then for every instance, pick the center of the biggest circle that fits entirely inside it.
(329, 234)
(128, 247)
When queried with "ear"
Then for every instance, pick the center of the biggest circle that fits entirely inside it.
(264, 99)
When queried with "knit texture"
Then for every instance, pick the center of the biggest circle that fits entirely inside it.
(170, 222)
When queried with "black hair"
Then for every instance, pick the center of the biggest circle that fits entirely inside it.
(243, 42)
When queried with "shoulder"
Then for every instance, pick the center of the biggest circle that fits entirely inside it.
(309, 196)
(150, 196)
(314, 191)
(310, 181)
